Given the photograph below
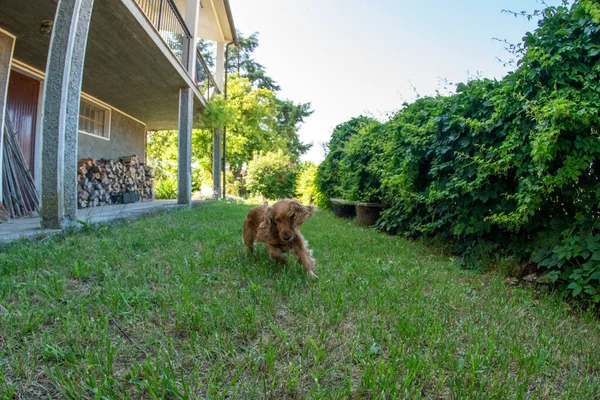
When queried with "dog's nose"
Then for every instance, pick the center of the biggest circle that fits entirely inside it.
(287, 237)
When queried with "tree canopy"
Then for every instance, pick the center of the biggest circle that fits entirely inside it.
(257, 120)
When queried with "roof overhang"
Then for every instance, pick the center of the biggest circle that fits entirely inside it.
(215, 21)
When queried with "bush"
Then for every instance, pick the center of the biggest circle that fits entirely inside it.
(329, 175)
(359, 166)
(306, 186)
(507, 166)
(272, 175)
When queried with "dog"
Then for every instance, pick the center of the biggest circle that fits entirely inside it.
(277, 226)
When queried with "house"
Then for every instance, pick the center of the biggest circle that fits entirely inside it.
(89, 78)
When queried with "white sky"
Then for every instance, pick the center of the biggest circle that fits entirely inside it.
(357, 57)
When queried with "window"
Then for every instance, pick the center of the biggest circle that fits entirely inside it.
(94, 119)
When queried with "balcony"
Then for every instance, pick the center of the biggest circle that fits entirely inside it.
(170, 25)
(204, 79)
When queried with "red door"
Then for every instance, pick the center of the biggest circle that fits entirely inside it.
(22, 106)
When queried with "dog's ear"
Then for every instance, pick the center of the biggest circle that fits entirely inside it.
(266, 225)
(300, 212)
(268, 218)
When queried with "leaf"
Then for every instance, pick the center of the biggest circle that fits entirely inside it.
(595, 275)
(553, 276)
(575, 275)
(576, 288)
(590, 265)
(585, 254)
(589, 289)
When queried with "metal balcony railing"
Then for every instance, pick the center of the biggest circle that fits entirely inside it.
(204, 79)
(169, 23)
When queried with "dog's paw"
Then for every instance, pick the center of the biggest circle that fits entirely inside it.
(312, 275)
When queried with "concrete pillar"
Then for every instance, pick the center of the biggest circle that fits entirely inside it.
(218, 132)
(7, 45)
(192, 8)
(60, 113)
(184, 172)
(220, 66)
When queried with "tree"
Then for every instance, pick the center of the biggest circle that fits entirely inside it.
(256, 120)
(288, 115)
(206, 49)
(289, 118)
(242, 63)
(251, 127)
(306, 187)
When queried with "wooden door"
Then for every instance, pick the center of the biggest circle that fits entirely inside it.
(22, 107)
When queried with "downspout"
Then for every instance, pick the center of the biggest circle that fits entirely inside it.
(225, 127)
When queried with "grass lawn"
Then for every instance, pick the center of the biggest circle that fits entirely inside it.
(170, 306)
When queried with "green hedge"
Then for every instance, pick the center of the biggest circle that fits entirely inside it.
(509, 166)
(346, 171)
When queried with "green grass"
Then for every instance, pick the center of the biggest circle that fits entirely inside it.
(170, 306)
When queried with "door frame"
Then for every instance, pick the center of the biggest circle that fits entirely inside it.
(38, 75)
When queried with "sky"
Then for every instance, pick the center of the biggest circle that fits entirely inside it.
(355, 57)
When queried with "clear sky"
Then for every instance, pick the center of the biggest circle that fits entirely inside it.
(355, 57)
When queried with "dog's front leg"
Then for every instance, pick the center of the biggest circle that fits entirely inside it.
(305, 256)
(276, 254)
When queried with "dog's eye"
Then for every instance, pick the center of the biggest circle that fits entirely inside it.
(277, 220)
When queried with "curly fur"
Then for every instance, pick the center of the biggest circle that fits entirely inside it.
(277, 226)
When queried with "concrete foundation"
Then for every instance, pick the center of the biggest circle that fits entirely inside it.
(24, 228)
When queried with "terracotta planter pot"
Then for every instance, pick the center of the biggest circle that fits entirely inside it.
(343, 208)
(368, 213)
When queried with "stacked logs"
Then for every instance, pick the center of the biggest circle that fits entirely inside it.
(104, 182)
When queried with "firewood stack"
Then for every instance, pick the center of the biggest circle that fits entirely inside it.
(106, 182)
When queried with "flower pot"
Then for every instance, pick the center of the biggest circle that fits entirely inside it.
(368, 213)
(343, 208)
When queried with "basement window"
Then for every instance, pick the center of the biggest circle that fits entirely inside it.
(94, 119)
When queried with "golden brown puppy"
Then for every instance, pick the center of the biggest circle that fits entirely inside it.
(277, 226)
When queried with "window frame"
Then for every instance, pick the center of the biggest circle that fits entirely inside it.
(99, 105)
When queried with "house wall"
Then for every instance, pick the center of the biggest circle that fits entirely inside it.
(127, 137)
(7, 43)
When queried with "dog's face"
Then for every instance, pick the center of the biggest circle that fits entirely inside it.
(286, 215)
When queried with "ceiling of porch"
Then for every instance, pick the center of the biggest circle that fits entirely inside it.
(125, 64)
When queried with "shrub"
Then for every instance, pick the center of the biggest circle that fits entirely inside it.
(359, 166)
(272, 175)
(166, 188)
(507, 166)
(329, 179)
